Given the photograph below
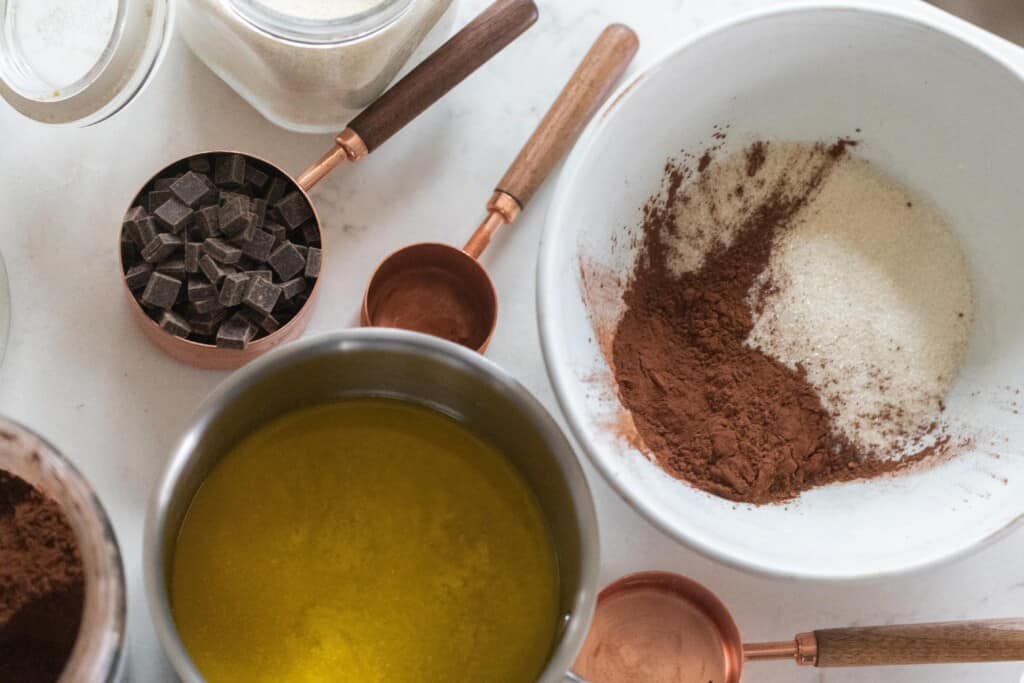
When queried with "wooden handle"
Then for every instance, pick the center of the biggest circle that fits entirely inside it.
(579, 100)
(997, 640)
(464, 53)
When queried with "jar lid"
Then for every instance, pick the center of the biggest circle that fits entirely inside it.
(79, 61)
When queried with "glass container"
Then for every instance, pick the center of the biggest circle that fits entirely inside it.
(309, 65)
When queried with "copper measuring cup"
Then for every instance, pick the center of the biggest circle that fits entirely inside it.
(484, 37)
(460, 303)
(698, 641)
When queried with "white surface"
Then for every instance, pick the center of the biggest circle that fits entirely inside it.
(78, 370)
(830, 74)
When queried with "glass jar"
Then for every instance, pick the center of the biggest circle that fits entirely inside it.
(99, 652)
(308, 65)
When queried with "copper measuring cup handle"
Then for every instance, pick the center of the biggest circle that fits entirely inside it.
(590, 84)
(487, 35)
(994, 640)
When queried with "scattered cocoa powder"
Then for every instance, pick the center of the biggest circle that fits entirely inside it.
(41, 584)
(711, 409)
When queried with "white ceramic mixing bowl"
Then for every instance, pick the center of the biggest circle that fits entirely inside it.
(942, 116)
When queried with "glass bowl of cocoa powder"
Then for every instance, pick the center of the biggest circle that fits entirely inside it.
(62, 603)
(792, 341)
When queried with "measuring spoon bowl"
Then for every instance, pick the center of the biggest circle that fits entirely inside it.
(435, 289)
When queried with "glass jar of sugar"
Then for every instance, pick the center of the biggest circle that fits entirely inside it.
(78, 62)
(308, 65)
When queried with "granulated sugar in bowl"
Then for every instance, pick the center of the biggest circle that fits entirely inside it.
(933, 441)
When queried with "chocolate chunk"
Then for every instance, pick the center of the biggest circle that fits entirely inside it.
(313, 256)
(229, 170)
(146, 230)
(233, 289)
(175, 324)
(161, 246)
(276, 189)
(256, 177)
(200, 164)
(310, 233)
(164, 183)
(269, 324)
(259, 247)
(221, 251)
(138, 276)
(204, 306)
(286, 261)
(129, 224)
(201, 289)
(213, 271)
(156, 198)
(161, 291)
(267, 275)
(193, 251)
(247, 233)
(261, 295)
(294, 209)
(174, 267)
(279, 232)
(173, 215)
(206, 324)
(207, 221)
(235, 216)
(259, 207)
(193, 189)
(235, 332)
(293, 287)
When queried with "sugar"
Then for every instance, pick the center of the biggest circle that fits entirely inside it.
(873, 299)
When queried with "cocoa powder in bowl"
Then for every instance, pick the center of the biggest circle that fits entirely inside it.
(42, 586)
(711, 408)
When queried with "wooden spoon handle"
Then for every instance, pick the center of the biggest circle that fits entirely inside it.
(579, 100)
(996, 640)
(464, 53)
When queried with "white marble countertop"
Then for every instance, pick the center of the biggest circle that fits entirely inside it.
(79, 371)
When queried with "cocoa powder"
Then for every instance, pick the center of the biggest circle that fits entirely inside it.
(41, 584)
(712, 410)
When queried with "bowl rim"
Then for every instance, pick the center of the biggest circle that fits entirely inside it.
(574, 629)
(550, 282)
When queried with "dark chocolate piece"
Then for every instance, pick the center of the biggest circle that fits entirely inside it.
(129, 224)
(269, 324)
(261, 295)
(207, 221)
(200, 164)
(229, 170)
(267, 275)
(235, 216)
(276, 189)
(138, 276)
(146, 230)
(206, 324)
(193, 189)
(204, 306)
(259, 246)
(235, 332)
(173, 215)
(161, 291)
(293, 287)
(221, 251)
(313, 256)
(310, 233)
(164, 183)
(193, 251)
(160, 247)
(175, 324)
(157, 197)
(294, 209)
(213, 271)
(256, 177)
(233, 289)
(201, 289)
(247, 232)
(286, 261)
(259, 208)
(279, 232)
(174, 267)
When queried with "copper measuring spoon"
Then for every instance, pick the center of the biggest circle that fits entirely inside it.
(443, 290)
(484, 37)
(679, 632)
